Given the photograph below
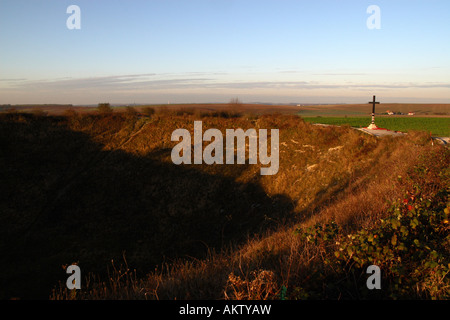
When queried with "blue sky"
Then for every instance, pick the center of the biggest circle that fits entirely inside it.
(281, 51)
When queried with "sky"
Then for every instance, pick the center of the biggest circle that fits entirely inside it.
(195, 51)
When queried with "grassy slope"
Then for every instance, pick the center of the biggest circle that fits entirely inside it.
(89, 189)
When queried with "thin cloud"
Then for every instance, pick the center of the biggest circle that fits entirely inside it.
(315, 85)
(339, 74)
(152, 81)
(119, 82)
(12, 80)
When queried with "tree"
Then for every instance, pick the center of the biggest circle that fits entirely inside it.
(235, 102)
(148, 111)
(104, 108)
(130, 111)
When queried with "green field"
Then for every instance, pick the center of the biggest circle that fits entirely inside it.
(438, 126)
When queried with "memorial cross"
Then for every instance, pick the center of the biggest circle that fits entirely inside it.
(373, 102)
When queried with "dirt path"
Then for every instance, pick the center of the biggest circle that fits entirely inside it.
(385, 132)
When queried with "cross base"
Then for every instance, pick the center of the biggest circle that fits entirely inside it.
(372, 126)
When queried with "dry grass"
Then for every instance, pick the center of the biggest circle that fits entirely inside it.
(325, 174)
(353, 181)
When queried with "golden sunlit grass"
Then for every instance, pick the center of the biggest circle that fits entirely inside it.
(326, 174)
(329, 174)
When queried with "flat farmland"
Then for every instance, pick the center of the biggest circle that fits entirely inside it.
(419, 109)
(438, 126)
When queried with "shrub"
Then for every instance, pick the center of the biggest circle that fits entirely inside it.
(130, 111)
(104, 108)
(39, 113)
(70, 113)
(148, 111)
(411, 245)
(263, 286)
